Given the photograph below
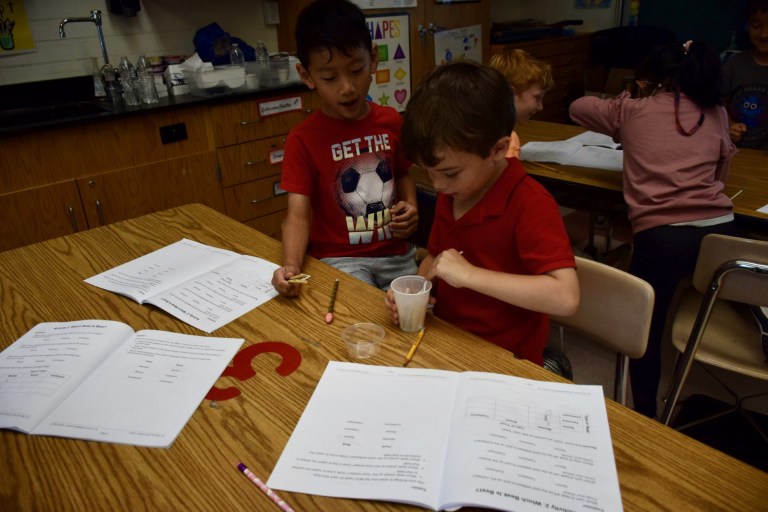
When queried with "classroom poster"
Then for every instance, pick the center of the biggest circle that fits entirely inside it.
(458, 44)
(15, 34)
(391, 84)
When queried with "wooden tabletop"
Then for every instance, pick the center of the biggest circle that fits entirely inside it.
(287, 346)
(748, 169)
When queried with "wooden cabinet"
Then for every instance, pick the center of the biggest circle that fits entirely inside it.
(40, 213)
(118, 195)
(57, 181)
(425, 19)
(568, 56)
(60, 180)
(250, 136)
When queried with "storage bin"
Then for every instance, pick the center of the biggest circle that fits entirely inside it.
(216, 81)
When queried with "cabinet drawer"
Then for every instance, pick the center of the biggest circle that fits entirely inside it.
(246, 121)
(250, 161)
(271, 225)
(254, 199)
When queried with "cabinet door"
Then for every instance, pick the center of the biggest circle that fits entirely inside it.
(40, 213)
(128, 193)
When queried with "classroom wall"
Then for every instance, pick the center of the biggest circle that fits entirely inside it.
(162, 27)
(553, 11)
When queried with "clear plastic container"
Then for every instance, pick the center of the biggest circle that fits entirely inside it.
(215, 82)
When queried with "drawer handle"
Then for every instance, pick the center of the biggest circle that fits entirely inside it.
(254, 162)
(257, 201)
(245, 123)
(100, 212)
(72, 218)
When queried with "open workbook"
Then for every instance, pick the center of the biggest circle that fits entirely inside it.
(99, 380)
(588, 149)
(204, 286)
(441, 439)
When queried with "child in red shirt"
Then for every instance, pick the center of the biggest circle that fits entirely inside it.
(499, 256)
(351, 201)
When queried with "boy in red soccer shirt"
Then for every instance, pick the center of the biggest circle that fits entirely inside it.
(351, 201)
(499, 256)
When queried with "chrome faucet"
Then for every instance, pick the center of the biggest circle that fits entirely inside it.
(95, 18)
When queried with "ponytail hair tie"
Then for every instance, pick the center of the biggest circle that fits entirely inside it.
(687, 46)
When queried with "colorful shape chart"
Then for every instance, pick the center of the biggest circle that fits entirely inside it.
(392, 81)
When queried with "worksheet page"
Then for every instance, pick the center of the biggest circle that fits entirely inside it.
(204, 286)
(590, 138)
(217, 297)
(162, 269)
(572, 152)
(43, 367)
(518, 442)
(145, 392)
(371, 432)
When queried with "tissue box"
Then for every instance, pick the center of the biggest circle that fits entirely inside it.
(216, 81)
(175, 81)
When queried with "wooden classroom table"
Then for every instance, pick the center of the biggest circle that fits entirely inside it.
(748, 173)
(287, 346)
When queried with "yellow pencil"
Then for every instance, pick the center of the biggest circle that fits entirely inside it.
(734, 196)
(414, 346)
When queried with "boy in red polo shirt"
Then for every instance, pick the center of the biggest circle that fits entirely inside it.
(499, 256)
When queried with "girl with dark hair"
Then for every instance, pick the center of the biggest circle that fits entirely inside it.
(676, 156)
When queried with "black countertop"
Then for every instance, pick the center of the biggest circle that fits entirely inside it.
(54, 103)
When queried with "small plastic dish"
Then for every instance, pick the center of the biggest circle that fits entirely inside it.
(363, 340)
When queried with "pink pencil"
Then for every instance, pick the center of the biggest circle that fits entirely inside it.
(329, 314)
(266, 490)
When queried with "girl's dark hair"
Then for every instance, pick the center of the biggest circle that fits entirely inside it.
(464, 106)
(331, 24)
(696, 72)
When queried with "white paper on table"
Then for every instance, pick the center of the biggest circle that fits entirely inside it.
(98, 380)
(441, 439)
(204, 286)
(590, 138)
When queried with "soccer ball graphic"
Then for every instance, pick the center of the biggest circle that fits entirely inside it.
(365, 185)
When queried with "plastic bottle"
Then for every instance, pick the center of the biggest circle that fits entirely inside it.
(236, 55)
(146, 81)
(129, 83)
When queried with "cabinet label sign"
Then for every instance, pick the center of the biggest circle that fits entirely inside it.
(279, 106)
(276, 156)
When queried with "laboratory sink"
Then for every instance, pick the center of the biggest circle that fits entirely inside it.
(49, 113)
